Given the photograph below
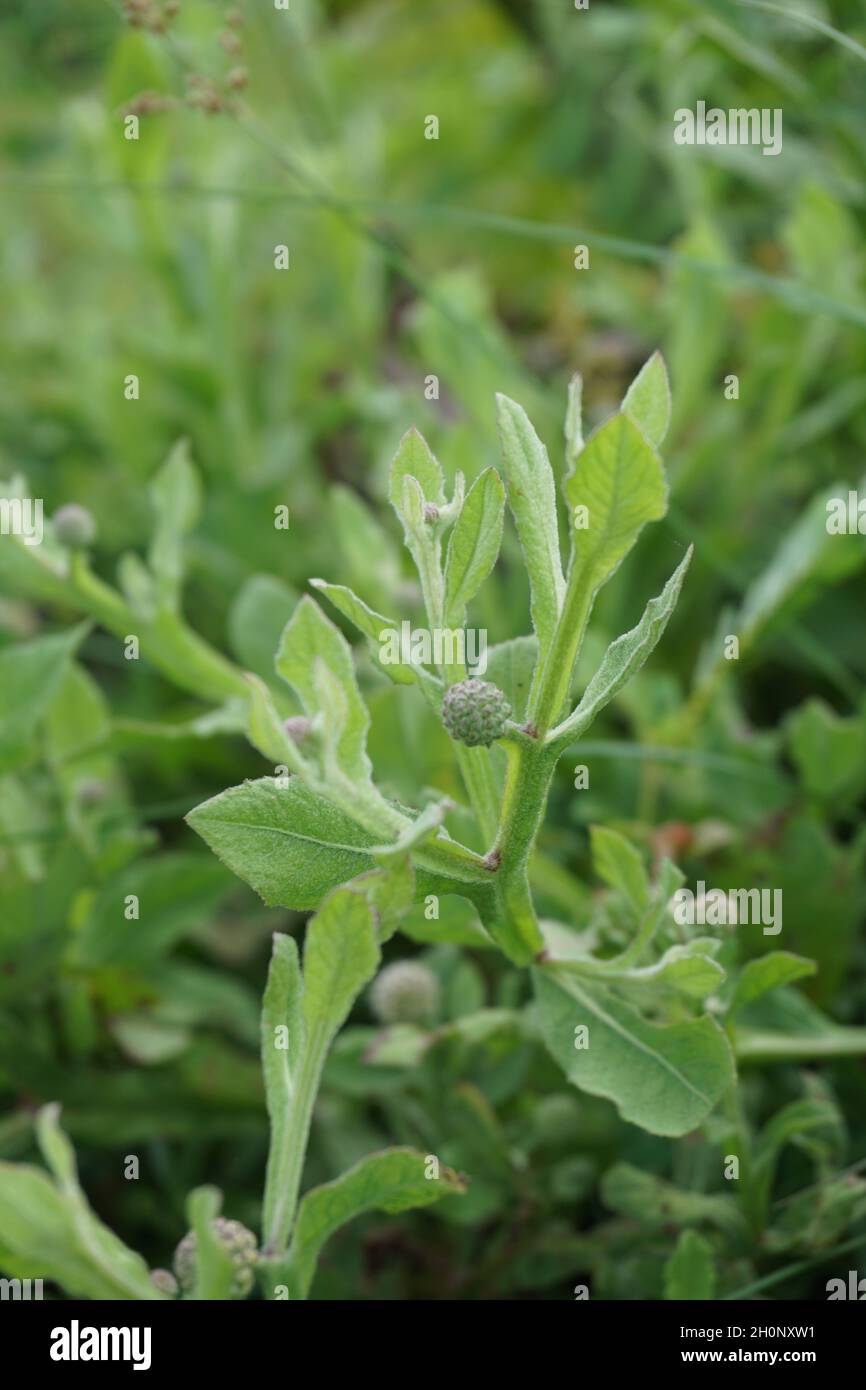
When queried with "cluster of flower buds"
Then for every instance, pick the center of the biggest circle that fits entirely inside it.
(148, 14)
(239, 1244)
(204, 93)
(149, 103)
(475, 712)
(233, 44)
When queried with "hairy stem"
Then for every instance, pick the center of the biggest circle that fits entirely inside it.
(548, 701)
(527, 783)
(288, 1147)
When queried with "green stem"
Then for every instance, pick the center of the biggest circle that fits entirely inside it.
(527, 782)
(548, 701)
(288, 1147)
(771, 1047)
(480, 784)
(165, 640)
(752, 1192)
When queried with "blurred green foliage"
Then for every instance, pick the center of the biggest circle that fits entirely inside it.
(453, 258)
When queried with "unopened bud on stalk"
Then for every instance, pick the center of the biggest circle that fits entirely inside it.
(242, 1249)
(298, 728)
(164, 1280)
(74, 526)
(475, 712)
(405, 992)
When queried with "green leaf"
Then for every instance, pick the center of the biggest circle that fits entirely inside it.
(341, 955)
(415, 833)
(457, 924)
(666, 1079)
(256, 622)
(690, 1272)
(532, 500)
(510, 666)
(287, 843)
(648, 400)
(784, 1025)
(214, 1271)
(281, 1053)
(624, 658)
(806, 556)
(176, 496)
(688, 969)
(768, 972)
(137, 585)
(77, 724)
(30, 675)
(829, 751)
(619, 479)
(309, 636)
(391, 1181)
(414, 459)
(292, 845)
(44, 1236)
(52, 1233)
(813, 1124)
(818, 1218)
(266, 730)
(620, 865)
(573, 423)
(390, 892)
(175, 892)
(474, 544)
(655, 1203)
(372, 624)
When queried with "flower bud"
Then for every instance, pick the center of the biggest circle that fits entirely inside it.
(405, 992)
(241, 1246)
(164, 1280)
(475, 712)
(298, 728)
(74, 526)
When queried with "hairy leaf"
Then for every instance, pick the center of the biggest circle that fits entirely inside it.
(532, 499)
(620, 481)
(648, 400)
(176, 496)
(391, 1181)
(690, 1272)
(624, 658)
(473, 545)
(665, 1078)
(310, 636)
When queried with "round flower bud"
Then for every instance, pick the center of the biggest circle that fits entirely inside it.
(475, 711)
(241, 1246)
(298, 728)
(165, 1281)
(91, 791)
(405, 992)
(74, 526)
